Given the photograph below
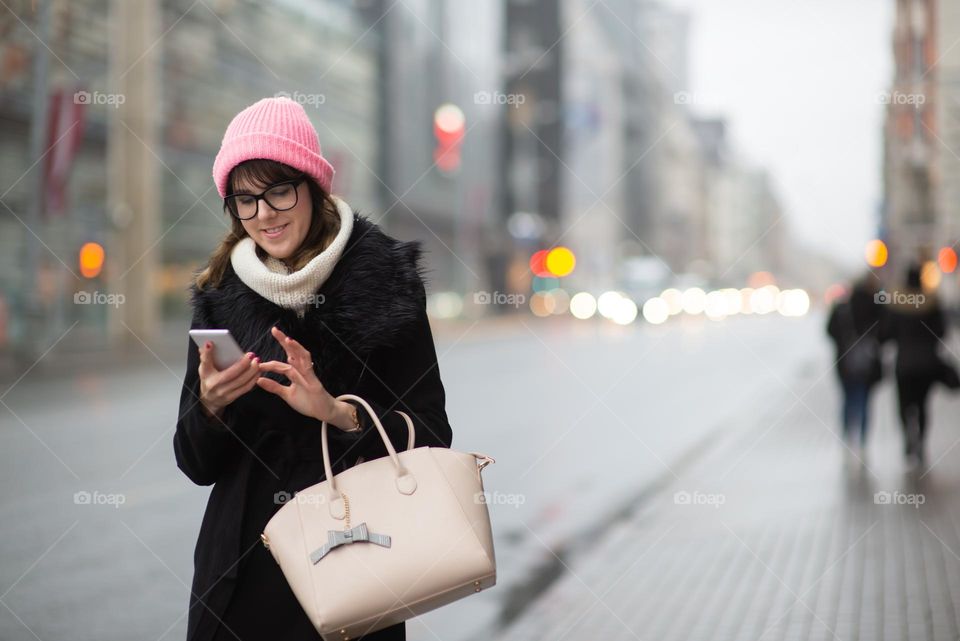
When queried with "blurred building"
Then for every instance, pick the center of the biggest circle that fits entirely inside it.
(644, 192)
(595, 215)
(913, 157)
(671, 158)
(159, 81)
(948, 121)
(605, 154)
(532, 140)
(434, 53)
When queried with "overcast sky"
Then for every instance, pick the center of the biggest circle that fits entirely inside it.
(799, 81)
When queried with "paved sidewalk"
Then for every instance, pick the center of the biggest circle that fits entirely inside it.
(774, 535)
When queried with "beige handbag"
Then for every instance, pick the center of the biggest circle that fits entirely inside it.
(385, 540)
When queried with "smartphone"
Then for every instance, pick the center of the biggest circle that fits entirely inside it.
(226, 352)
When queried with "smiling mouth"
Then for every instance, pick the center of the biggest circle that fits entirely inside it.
(275, 231)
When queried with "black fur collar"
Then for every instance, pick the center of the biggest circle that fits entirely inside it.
(370, 299)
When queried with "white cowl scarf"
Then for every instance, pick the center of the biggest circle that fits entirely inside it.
(297, 290)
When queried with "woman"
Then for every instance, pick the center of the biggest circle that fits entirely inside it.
(916, 324)
(326, 304)
(854, 325)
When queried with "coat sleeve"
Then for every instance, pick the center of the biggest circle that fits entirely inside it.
(405, 378)
(833, 324)
(201, 445)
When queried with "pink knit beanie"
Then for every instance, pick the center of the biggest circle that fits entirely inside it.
(272, 129)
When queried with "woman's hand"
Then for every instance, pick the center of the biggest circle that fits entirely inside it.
(305, 393)
(219, 388)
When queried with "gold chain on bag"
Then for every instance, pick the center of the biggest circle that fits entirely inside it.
(346, 509)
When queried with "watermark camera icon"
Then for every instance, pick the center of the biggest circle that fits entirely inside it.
(498, 298)
(884, 297)
(83, 497)
(699, 498)
(98, 98)
(899, 498)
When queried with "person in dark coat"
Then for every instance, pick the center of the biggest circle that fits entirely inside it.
(855, 326)
(916, 325)
(326, 304)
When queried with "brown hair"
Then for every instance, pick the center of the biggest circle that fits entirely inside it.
(324, 221)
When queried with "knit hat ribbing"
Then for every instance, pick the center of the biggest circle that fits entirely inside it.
(273, 129)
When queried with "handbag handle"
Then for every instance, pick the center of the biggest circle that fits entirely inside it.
(405, 482)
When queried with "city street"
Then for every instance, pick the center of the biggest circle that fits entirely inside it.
(656, 289)
(585, 420)
(776, 534)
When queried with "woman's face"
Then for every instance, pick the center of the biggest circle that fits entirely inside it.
(279, 233)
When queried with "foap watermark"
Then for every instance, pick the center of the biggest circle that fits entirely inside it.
(498, 298)
(304, 99)
(283, 497)
(97, 98)
(98, 298)
(499, 498)
(498, 98)
(899, 498)
(301, 300)
(99, 498)
(883, 297)
(692, 98)
(916, 100)
(696, 497)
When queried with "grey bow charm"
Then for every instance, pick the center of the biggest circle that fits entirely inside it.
(336, 538)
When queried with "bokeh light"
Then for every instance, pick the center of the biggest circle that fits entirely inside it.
(656, 310)
(560, 261)
(583, 305)
(876, 253)
(91, 259)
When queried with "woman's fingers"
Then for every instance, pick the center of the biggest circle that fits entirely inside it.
(297, 354)
(286, 369)
(230, 378)
(207, 368)
(270, 385)
(242, 383)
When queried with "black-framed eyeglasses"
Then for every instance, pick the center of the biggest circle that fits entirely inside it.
(280, 196)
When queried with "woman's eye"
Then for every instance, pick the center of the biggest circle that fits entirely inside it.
(244, 200)
(283, 190)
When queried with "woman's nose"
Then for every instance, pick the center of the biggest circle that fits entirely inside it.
(264, 210)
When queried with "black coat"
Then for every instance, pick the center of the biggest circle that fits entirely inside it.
(857, 323)
(370, 336)
(917, 326)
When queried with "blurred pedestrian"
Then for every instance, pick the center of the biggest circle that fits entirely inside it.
(330, 305)
(854, 325)
(916, 325)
